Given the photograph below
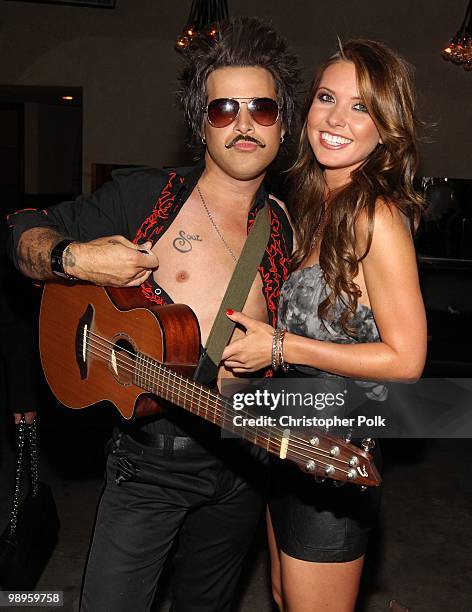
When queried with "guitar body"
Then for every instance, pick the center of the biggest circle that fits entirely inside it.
(122, 326)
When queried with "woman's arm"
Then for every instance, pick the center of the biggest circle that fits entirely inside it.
(391, 280)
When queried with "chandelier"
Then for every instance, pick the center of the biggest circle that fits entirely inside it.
(203, 20)
(459, 50)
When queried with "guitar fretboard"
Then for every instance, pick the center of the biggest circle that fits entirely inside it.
(156, 378)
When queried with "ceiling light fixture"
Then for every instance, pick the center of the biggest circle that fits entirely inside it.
(459, 50)
(202, 21)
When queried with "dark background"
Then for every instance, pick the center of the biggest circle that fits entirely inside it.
(125, 63)
(120, 68)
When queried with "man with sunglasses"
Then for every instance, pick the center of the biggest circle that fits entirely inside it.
(172, 480)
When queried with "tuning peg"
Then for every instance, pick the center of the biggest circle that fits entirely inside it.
(329, 469)
(368, 444)
(314, 441)
(334, 452)
(354, 461)
(310, 466)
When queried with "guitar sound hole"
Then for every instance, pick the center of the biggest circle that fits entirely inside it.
(122, 362)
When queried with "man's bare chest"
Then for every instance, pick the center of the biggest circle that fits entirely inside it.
(196, 262)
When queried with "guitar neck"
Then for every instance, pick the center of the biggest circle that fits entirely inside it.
(193, 397)
(321, 454)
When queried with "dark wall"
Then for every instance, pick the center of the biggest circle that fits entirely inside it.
(125, 61)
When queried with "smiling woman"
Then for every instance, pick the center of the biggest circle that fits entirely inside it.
(352, 306)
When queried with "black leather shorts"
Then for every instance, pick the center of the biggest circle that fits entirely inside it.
(321, 522)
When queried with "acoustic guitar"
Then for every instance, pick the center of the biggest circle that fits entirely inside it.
(105, 344)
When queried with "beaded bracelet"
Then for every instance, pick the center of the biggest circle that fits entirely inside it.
(275, 365)
(278, 362)
(283, 365)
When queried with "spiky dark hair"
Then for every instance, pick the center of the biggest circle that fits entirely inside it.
(242, 42)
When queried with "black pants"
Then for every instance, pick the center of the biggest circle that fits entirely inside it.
(187, 493)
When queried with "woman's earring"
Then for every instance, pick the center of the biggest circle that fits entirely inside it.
(203, 139)
(281, 139)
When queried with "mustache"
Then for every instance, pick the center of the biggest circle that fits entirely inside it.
(245, 139)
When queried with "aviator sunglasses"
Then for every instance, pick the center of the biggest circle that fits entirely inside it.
(223, 111)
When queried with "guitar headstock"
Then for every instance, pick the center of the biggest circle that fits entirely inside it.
(326, 456)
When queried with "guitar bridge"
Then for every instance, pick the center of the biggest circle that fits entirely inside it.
(81, 341)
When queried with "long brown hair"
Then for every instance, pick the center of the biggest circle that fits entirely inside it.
(385, 86)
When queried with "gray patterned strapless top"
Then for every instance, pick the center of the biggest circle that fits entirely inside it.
(300, 297)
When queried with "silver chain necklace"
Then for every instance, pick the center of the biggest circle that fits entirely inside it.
(216, 228)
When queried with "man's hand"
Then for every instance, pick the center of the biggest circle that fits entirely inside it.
(112, 261)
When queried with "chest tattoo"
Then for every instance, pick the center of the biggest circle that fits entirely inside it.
(183, 242)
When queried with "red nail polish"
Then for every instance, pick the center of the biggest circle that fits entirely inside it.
(230, 311)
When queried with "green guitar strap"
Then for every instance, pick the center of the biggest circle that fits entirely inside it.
(235, 297)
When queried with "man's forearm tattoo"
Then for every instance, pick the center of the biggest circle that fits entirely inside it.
(34, 251)
(68, 259)
(183, 243)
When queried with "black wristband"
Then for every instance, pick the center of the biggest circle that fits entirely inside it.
(57, 254)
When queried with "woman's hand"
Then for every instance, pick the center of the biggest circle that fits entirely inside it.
(254, 351)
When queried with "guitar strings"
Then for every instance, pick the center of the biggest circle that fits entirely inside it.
(295, 449)
(131, 369)
(167, 372)
(190, 397)
(201, 388)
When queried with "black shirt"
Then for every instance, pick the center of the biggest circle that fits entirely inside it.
(141, 204)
